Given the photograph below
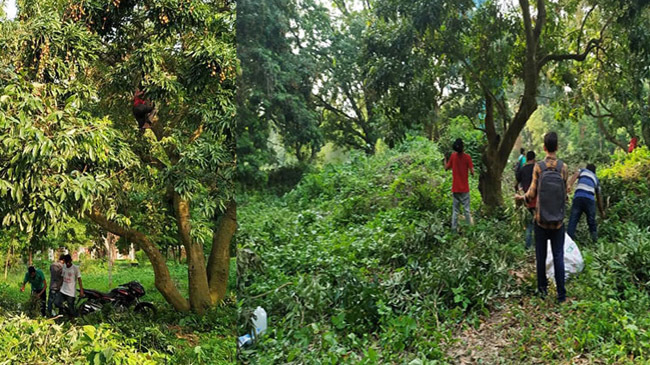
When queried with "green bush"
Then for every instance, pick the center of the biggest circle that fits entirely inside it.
(28, 341)
(626, 185)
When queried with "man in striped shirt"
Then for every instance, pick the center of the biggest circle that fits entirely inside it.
(584, 200)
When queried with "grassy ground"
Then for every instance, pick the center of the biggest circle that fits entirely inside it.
(170, 337)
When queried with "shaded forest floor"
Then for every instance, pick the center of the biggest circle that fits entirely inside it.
(517, 330)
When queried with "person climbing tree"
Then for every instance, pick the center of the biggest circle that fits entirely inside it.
(142, 110)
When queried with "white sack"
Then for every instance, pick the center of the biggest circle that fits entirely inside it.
(573, 262)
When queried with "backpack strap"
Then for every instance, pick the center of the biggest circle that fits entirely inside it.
(542, 167)
(558, 167)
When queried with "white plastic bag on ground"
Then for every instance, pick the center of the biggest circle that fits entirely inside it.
(573, 262)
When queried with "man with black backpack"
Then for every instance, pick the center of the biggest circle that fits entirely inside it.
(549, 187)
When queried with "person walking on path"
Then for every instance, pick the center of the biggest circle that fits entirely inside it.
(549, 186)
(71, 275)
(56, 280)
(525, 178)
(38, 283)
(584, 200)
(460, 163)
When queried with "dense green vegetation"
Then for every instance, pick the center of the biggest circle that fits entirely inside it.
(72, 150)
(367, 271)
(352, 73)
(115, 338)
(76, 171)
(347, 109)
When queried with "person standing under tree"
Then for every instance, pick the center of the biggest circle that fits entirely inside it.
(525, 178)
(549, 186)
(521, 161)
(71, 275)
(460, 163)
(38, 283)
(584, 200)
(56, 280)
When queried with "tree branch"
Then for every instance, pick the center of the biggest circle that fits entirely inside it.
(601, 125)
(162, 278)
(331, 108)
(528, 28)
(541, 19)
(197, 133)
(593, 43)
(357, 110)
(270, 291)
(584, 21)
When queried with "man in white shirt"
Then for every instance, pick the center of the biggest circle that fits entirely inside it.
(71, 275)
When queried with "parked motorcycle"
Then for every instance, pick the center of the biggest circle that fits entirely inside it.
(120, 298)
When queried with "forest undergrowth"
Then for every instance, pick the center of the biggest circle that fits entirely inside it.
(357, 264)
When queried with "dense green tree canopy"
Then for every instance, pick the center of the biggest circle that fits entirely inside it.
(383, 69)
(71, 147)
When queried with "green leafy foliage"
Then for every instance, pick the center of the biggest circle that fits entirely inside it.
(114, 337)
(28, 341)
(357, 265)
(625, 185)
(70, 147)
(366, 250)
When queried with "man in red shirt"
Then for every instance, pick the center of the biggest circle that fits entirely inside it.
(460, 163)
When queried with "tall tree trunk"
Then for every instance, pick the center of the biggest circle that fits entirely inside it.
(428, 129)
(199, 291)
(109, 244)
(431, 130)
(7, 261)
(219, 260)
(370, 97)
(499, 148)
(489, 182)
(163, 281)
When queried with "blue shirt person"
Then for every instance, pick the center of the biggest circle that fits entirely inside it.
(584, 200)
